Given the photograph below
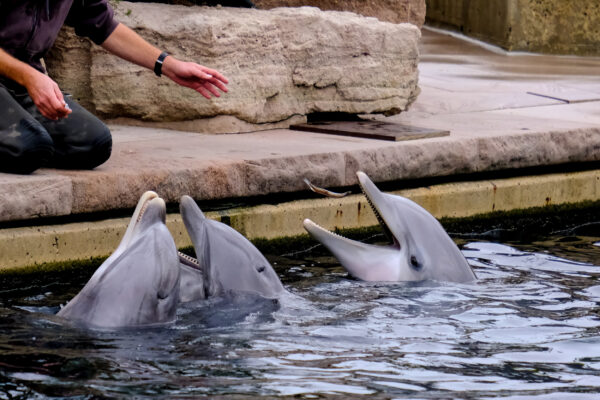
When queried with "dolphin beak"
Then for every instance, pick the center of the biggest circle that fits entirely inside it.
(189, 210)
(194, 221)
(358, 258)
(154, 210)
(378, 202)
(140, 209)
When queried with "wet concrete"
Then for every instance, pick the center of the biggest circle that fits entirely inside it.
(459, 76)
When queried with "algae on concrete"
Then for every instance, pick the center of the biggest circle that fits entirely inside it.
(509, 226)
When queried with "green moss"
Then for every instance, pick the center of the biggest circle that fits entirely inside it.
(40, 275)
(543, 219)
(538, 221)
(533, 221)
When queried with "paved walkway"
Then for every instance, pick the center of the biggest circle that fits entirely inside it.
(503, 111)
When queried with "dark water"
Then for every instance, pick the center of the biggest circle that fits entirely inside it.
(529, 328)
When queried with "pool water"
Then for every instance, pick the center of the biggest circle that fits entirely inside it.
(528, 328)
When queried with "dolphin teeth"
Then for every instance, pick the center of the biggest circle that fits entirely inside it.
(188, 260)
(330, 232)
(388, 233)
(142, 210)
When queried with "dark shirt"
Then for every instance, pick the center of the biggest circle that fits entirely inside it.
(28, 28)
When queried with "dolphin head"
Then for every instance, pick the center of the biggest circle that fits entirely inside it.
(139, 283)
(229, 263)
(420, 248)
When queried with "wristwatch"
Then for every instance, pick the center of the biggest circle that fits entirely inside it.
(159, 63)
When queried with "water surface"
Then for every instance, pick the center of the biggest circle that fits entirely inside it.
(528, 328)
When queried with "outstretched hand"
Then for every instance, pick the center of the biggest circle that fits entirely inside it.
(204, 80)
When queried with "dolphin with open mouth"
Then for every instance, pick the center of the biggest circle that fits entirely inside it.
(227, 263)
(138, 285)
(420, 249)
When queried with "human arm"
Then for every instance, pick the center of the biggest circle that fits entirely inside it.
(128, 45)
(44, 92)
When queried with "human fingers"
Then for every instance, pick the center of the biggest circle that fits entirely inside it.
(63, 110)
(218, 84)
(52, 102)
(46, 111)
(48, 106)
(216, 74)
(213, 80)
(201, 73)
(42, 91)
(202, 90)
(212, 89)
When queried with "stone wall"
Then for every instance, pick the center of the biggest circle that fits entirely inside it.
(282, 65)
(396, 11)
(547, 26)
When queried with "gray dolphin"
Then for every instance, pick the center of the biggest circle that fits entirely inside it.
(139, 283)
(420, 250)
(227, 263)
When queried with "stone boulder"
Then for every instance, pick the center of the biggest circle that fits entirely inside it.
(396, 11)
(283, 64)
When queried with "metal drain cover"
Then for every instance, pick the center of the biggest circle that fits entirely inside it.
(371, 130)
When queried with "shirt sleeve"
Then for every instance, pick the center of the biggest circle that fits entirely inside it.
(93, 19)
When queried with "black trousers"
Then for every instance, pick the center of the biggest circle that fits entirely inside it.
(28, 140)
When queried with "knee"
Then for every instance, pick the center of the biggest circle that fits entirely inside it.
(25, 147)
(96, 152)
(102, 149)
(102, 145)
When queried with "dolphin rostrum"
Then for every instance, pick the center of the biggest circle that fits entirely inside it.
(227, 263)
(420, 250)
(139, 283)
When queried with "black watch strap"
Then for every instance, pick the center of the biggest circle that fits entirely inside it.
(159, 63)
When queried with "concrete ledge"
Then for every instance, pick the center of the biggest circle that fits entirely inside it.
(79, 241)
(261, 163)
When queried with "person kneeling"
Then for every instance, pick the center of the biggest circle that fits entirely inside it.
(40, 125)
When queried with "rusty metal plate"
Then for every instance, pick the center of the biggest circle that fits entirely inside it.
(370, 130)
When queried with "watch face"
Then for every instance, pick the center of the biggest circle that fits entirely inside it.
(159, 62)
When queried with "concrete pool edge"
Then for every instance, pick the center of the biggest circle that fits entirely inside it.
(33, 247)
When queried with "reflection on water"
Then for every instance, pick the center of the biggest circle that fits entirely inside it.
(527, 329)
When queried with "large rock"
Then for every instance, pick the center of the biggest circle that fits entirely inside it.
(396, 11)
(282, 65)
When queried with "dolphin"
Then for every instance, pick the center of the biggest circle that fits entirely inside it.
(420, 249)
(227, 263)
(138, 285)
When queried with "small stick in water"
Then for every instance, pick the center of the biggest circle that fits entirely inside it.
(325, 192)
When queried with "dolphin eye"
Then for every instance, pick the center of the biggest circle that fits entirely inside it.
(415, 264)
(260, 269)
